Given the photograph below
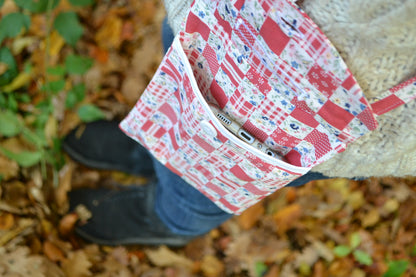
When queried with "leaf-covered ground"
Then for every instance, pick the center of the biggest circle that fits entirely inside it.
(98, 67)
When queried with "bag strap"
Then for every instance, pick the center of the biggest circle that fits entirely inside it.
(395, 97)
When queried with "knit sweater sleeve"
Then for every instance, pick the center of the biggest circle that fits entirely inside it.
(176, 11)
(380, 54)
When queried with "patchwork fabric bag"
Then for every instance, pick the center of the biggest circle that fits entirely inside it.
(268, 67)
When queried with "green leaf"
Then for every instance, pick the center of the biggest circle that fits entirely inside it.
(342, 250)
(89, 113)
(57, 70)
(9, 124)
(75, 95)
(37, 6)
(54, 86)
(413, 251)
(260, 268)
(68, 26)
(362, 257)
(355, 240)
(12, 24)
(23, 158)
(6, 57)
(1, 3)
(77, 64)
(396, 268)
(81, 2)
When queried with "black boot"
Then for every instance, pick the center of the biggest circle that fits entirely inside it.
(123, 217)
(102, 145)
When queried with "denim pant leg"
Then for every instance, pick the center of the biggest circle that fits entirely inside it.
(181, 207)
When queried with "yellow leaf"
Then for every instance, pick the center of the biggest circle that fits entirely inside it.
(370, 218)
(211, 266)
(77, 265)
(286, 217)
(3, 67)
(56, 42)
(21, 43)
(21, 80)
(109, 35)
(163, 256)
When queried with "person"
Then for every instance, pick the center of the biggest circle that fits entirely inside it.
(377, 43)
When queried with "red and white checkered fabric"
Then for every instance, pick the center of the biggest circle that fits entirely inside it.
(271, 69)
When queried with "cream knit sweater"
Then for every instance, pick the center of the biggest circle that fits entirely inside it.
(377, 39)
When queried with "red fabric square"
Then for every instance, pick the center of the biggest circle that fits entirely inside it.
(211, 58)
(223, 23)
(240, 174)
(195, 25)
(275, 38)
(316, 44)
(304, 117)
(218, 94)
(349, 82)
(321, 143)
(169, 112)
(284, 139)
(367, 118)
(322, 80)
(335, 115)
(205, 145)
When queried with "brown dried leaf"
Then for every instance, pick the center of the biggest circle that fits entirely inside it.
(67, 224)
(65, 178)
(6, 221)
(211, 266)
(287, 217)
(163, 256)
(371, 218)
(53, 252)
(109, 35)
(77, 265)
(273, 272)
(8, 168)
(19, 262)
(132, 88)
(250, 216)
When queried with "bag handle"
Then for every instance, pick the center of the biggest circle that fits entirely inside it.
(395, 97)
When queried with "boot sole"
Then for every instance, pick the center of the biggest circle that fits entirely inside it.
(150, 241)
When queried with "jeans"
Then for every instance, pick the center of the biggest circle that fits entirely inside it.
(181, 207)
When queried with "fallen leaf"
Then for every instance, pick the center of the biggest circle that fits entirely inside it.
(56, 42)
(83, 213)
(390, 206)
(250, 216)
(163, 256)
(109, 35)
(211, 266)
(6, 221)
(77, 265)
(356, 200)
(53, 252)
(287, 217)
(132, 87)
(67, 224)
(8, 168)
(21, 80)
(18, 262)
(273, 272)
(65, 177)
(370, 218)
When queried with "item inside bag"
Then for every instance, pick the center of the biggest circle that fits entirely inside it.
(243, 134)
